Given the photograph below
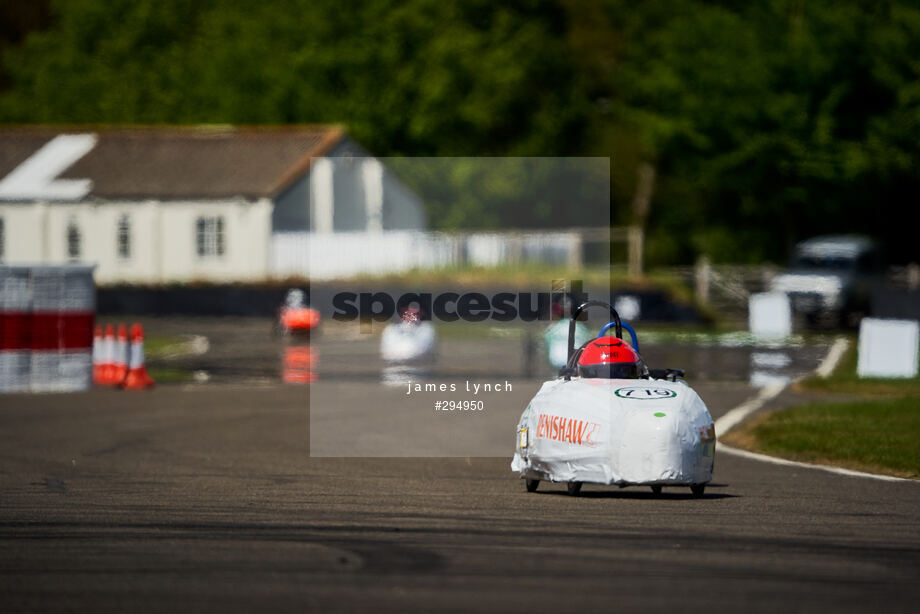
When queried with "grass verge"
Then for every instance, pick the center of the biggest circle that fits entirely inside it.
(878, 435)
(156, 346)
(469, 275)
(162, 375)
(533, 276)
(868, 424)
(540, 276)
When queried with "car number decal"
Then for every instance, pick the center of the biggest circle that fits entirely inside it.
(637, 392)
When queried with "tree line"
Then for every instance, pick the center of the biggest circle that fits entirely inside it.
(753, 123)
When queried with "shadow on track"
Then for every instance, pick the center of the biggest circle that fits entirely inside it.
(672, 494)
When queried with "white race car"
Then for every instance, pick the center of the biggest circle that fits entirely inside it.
(608, 420)
(412, 339)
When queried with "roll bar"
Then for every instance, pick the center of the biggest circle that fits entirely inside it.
(579, 310)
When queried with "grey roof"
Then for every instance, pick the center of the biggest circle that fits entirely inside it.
(172, 163)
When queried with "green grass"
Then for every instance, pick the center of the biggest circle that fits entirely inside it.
(513, 276)
(872, 424)
(880, 435)
(157, 345)
(529, 275)
(162, 375)
(538, 276)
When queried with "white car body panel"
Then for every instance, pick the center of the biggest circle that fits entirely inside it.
(622, 432)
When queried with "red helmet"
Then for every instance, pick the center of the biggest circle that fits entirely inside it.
(611, 358)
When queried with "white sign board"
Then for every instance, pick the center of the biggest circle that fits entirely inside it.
(769, 315)
(888, 348)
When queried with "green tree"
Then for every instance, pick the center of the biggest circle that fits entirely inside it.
(767, 121)
(418, 77)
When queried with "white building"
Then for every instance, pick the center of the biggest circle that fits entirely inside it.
(152, 205)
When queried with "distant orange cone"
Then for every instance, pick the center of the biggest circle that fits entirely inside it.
(98, 356)
(120, 358)
(137, 378)
(107, 369)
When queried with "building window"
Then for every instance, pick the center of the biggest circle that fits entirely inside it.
(209, 236)
(124, 237)
(73, 240)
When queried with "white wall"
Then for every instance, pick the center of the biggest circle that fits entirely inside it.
(164, 248)
(163, 238)
(322, 256)
(343, 254)
(22, 233)
(247, 228)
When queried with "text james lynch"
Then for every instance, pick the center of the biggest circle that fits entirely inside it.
(470, 387)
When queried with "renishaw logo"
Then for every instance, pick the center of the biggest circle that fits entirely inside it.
(638, 392)
(568, 430)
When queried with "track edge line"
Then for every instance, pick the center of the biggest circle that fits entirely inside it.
(737, 415)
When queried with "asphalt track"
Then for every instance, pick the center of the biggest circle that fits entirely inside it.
(205, 498)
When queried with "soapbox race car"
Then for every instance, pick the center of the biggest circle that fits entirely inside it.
(412, 339)
(608, 419)
(295, 316)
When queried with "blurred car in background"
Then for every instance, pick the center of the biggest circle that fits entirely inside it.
(412, 339)
(831, 278)
(295, 316)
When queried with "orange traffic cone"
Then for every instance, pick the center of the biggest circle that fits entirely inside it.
(107, 369)
(137, 378)
(120, 357)
(98, 358)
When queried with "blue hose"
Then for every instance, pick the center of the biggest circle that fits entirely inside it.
(632, 333)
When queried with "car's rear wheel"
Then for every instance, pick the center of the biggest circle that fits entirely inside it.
(532, 485)
(573, 488)
(697, 489)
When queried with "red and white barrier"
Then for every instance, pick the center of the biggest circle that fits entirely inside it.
(98, 344)
(46, 328)
(15, 329)
(107, 359)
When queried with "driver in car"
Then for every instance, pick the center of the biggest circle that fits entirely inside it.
(610, 358)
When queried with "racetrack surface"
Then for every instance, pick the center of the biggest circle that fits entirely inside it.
(190, 498)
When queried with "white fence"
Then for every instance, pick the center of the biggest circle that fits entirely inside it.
(329, 256)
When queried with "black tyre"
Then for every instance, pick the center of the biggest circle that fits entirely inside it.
(532, 485)
(574, 488)
(656, 489)
(697, 489)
